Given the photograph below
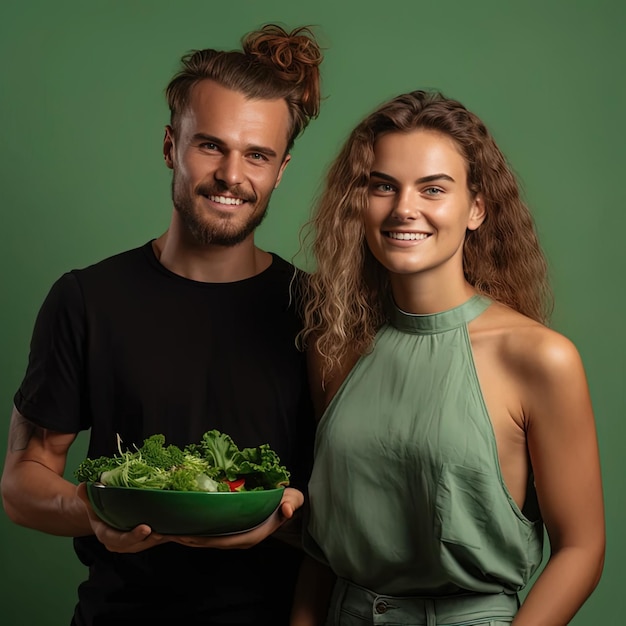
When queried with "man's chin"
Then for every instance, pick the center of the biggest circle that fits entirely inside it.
(220, 230)
(221, 237)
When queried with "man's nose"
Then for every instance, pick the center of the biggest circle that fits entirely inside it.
(230, 170)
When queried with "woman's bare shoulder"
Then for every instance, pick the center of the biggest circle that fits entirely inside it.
(525, 344)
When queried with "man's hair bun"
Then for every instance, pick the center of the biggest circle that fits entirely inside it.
(295, 57)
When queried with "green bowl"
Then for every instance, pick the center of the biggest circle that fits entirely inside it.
(183, 512)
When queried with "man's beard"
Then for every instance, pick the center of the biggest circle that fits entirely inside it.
(216, 231)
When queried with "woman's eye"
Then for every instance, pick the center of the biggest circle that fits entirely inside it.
(433, 191)
(384, 187)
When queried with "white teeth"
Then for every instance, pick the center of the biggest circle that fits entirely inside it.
(408, 236)
(225, 200)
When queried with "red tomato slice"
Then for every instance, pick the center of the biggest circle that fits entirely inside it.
(236, 485)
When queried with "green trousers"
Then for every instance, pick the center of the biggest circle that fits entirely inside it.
(352, 605)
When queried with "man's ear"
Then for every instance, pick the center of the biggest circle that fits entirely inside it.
(168, 147)
(477, 212)
(283, 165)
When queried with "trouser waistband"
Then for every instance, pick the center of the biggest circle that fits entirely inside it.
(352, 604)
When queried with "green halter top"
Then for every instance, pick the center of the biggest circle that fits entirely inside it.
(406, 495)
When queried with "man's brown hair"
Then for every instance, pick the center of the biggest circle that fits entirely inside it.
(272, 64)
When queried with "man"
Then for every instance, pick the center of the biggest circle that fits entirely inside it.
(193, 331)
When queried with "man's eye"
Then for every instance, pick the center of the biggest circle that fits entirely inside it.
(208, 146)
(257, 156)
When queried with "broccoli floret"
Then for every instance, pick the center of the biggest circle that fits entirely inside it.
(154, 453)
(90, 470)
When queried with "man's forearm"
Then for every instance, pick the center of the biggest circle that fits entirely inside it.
(36, 497)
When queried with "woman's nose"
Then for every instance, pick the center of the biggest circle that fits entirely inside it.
(406, 207)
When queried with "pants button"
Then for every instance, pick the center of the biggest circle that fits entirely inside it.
(381, 607)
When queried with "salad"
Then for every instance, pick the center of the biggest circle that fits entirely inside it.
(214, 464)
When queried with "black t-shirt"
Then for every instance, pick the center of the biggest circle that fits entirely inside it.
(127, 347)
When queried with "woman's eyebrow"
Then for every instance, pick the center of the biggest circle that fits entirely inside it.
(424, 179)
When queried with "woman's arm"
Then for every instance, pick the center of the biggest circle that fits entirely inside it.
(563, 449)
(312, 595)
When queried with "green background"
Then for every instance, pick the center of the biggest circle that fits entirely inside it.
(82, 176)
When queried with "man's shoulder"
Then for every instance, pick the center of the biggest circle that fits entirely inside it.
(119, 263)
(287, 278)
(279, 264)
(280, 268)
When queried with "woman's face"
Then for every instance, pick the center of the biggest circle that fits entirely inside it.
(419, 206)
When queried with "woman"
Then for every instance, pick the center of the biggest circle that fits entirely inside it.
(453, 423)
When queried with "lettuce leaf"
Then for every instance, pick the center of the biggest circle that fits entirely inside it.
(220, 452)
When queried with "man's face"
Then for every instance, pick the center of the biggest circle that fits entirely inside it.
(227, 157)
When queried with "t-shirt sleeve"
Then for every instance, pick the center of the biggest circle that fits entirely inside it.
(51, 394)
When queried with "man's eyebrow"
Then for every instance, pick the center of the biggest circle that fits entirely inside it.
(425, 179)
(262, 150)
(203, 137)
(208, 138)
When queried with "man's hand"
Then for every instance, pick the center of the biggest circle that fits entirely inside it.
(136, 540)
(291, 501)
(142, 538)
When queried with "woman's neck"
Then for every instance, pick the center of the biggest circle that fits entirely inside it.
(423, 295)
